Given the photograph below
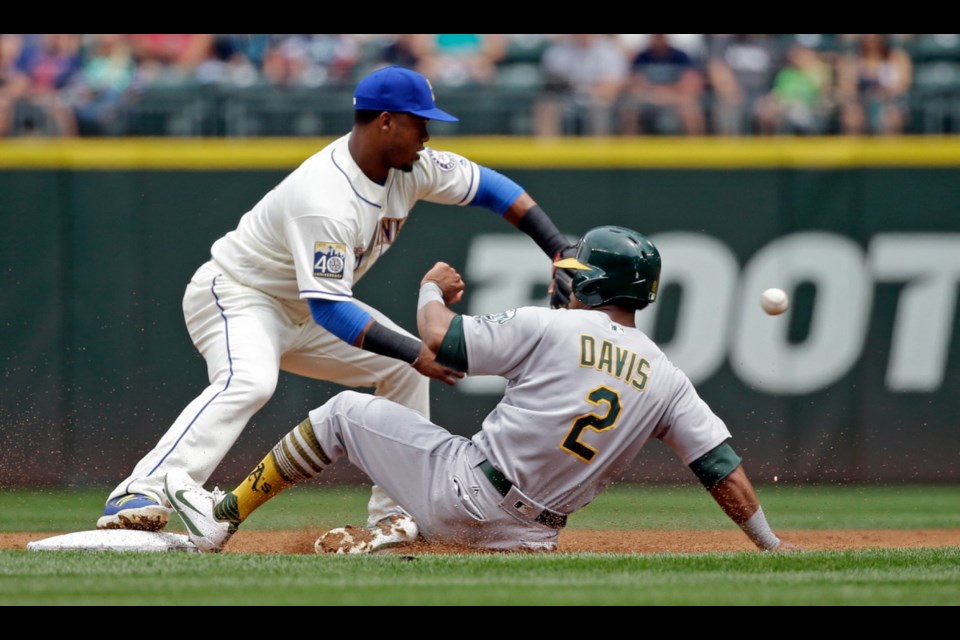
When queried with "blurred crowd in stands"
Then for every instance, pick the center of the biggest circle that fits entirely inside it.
(547, 85)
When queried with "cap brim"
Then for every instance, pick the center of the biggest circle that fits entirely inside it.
(571, 263)
(435, 114)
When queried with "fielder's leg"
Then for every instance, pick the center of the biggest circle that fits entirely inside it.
(340, 427)
(211, 519)
(241, 334)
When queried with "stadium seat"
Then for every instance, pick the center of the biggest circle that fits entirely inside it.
(30, 119)
(935, 47)
(286, 111)
(935, 97)
(173, 110)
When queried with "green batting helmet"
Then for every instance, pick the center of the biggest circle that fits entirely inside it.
(614, 264)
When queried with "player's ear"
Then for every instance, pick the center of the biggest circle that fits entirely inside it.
(384, 120)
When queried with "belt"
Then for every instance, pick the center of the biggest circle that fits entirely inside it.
(502, 485)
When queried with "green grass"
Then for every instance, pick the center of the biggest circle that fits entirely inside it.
(620, 507)
(873, 577)
(915, 577)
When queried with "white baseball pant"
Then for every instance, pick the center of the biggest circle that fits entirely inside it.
(247, 337)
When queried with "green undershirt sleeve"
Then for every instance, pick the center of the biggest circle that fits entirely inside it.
(453, 349)
(715, 465)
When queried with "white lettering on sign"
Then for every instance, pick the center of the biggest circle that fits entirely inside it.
(719, 317)
(706, 272)
(761, 353)
(930, 266)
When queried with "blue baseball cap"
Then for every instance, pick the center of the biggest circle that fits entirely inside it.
(398, 89)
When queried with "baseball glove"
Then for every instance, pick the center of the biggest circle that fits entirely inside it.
(562, 286)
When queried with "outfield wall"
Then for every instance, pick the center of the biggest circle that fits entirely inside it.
(858, 382)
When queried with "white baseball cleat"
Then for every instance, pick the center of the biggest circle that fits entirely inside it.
(388, 532)
(195, 506)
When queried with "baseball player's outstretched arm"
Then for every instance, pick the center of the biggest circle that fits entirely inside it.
(737, 498)
(380, 339)
(355, 326)
(507, 199)
(527, 216)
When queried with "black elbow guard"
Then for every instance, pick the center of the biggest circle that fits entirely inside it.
(387, 342)
(538, 225)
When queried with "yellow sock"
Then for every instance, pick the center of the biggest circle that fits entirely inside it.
(263, 483)
(298, 456)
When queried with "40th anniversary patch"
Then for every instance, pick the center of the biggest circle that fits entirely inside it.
(329, 260)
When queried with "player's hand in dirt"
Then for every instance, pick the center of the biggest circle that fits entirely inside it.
(427, 364)
(449, 281)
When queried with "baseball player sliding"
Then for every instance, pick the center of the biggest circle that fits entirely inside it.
(586, 390)
(277, 293)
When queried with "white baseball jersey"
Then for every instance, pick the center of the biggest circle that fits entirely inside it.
(322, 228)
(312, 236)
(584, 394)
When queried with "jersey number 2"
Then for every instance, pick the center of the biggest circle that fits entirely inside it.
(571, 444)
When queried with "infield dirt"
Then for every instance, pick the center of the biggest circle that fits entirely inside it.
(602, 541)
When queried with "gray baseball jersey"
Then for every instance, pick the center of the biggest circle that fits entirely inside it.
(584, 394)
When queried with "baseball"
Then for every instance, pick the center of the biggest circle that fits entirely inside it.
(774, 301)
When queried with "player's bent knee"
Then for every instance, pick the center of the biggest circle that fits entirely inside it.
(345, 403)
(349, 396)
(255, 388)
(357, 406)
(340, 403)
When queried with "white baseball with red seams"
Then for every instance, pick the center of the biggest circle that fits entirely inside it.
(774, 301)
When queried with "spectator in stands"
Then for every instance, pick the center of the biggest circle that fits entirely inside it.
(236, 59)
(170, 57)
(873, 85)
(12, 82)
(664, 93)
(311, 59)
(403, 49)
(584, 75)
(250, 47)
(740, 72)
(850, 41)
(277, 66)
(99, 90)
(459, 59)
(47, 64)
(692, 44)
(800, 102)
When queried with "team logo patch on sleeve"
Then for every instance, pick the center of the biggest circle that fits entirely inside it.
(500, 318)
(446, 161)
(328, 260)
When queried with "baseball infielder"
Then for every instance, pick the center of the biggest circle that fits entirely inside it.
(278, 290)
(586, 390)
